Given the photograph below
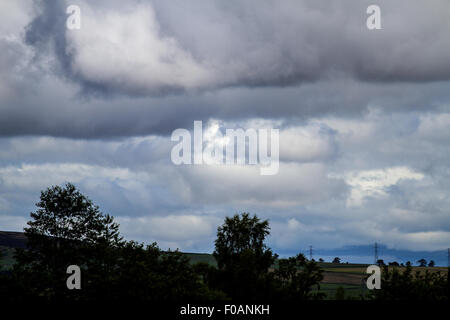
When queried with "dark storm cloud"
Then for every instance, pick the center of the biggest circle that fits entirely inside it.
(231, 61)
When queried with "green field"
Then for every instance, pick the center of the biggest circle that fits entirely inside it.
(202, 257)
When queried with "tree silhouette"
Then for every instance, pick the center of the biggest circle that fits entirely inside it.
(340, 293)
(406, 285)
(336, 260)
(297, 276)
(66, 229)
(422, 262)
(243, 258)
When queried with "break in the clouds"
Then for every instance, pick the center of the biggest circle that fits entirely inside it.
(364, 116)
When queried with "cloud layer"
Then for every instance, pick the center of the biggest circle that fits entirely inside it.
(152, 48)
(364, 116)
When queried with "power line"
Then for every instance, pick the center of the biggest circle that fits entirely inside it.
(448, 258)
(376, 253)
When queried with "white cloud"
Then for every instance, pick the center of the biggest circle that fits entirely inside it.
(32, 176)
(14, 16)
(127, 50)
(295, 184)
(310, 143)
(183, 231)
(373, 183)
(12, 222)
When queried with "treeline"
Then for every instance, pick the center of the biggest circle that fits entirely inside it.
(68, 229)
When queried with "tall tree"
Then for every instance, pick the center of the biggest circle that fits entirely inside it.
(242, 256)
(66, 229)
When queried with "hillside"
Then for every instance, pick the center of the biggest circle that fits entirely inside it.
(12, 239)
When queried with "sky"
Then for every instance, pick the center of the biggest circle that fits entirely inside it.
(363, 117)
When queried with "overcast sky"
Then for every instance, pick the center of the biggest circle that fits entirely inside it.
(364, 116)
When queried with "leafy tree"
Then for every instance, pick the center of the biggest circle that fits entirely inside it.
(66, 229)
(321, 260)
(408, 263)
(394, 264)
(207, 275)
(2, 255)
(336, 260)
(431, 263)
(149, 274)
(422, 262)
(297, 277)
(243, 258)
(380, 262)
(340, 293)
(240, 234)
(406, 285)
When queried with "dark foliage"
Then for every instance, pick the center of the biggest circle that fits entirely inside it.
(406, 285)
(243, 258)
(297, 277)
(68, 229)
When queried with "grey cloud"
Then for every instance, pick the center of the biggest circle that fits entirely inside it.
(253, 44)
(44, 98)
(363, 100)
(53, 108)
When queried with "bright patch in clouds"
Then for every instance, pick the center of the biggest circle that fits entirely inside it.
(374, 183)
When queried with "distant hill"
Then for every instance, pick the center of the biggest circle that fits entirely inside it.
(353, 254)
(9, 241)
(13, 239)
(365, 254)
